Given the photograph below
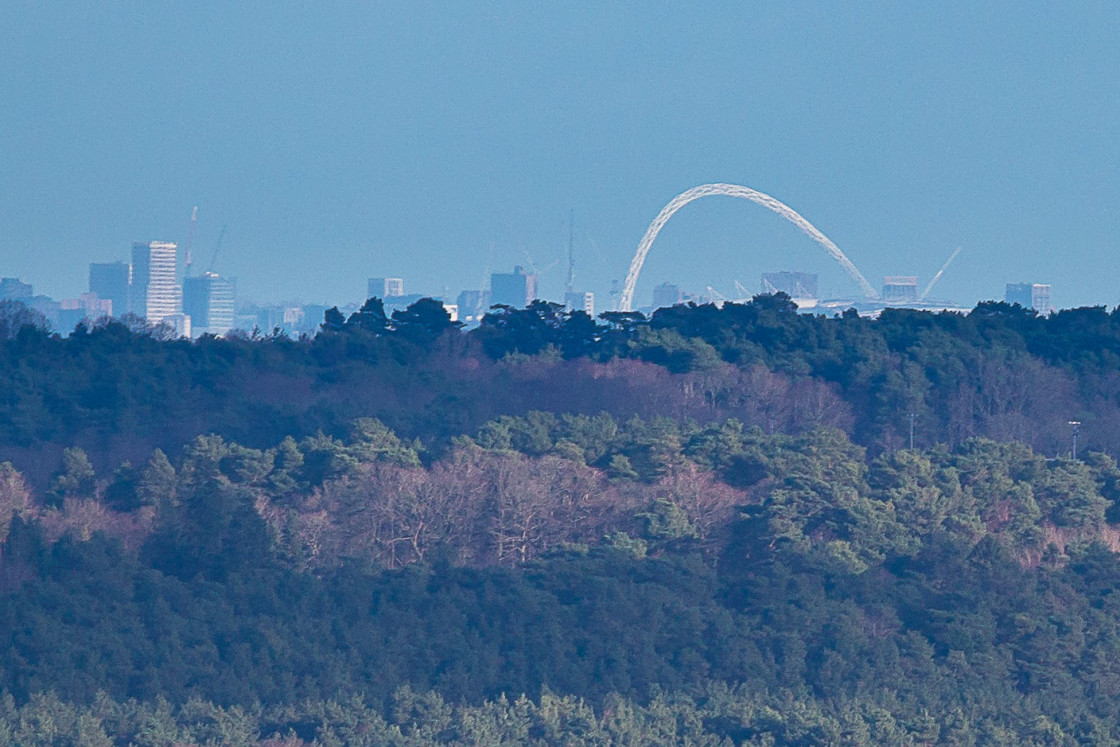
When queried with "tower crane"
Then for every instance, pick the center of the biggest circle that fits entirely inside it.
(190, 242)
(217, 246)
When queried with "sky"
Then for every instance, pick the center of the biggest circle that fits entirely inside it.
(442, 141)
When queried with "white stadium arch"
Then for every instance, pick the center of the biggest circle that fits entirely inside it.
(733, 190)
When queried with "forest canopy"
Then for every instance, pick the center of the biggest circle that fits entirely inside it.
(708, 527)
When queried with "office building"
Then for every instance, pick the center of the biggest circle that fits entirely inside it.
(209, 301)
(154, 294)
(13, 289)
(84, 310)
(581, 301)
(293, 316)
(900, 289)
(666, 295)
(384, 287)
(263, 319)
(109, 280)
(793, 284)
(90, 305)
(517, 289)
(1029, 295)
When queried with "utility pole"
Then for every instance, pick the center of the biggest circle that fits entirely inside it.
(1076, 426)
(912, 416)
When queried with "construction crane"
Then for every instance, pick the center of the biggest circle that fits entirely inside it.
(217, 246)
(533, 265)
(190, 242)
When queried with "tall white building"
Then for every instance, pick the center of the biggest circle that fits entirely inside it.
(154, 292)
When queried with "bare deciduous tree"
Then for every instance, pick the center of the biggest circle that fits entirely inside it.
(15, 497)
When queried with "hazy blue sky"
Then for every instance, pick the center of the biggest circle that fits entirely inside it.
(438, 141)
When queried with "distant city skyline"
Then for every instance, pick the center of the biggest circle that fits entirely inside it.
(387, 288)
(128, 288)
(325, 145)
(153, 288)
(390, 285)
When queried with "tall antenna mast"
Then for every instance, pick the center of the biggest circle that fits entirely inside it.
(571, 251)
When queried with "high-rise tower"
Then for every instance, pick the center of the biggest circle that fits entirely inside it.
(517, 289)
(209, 301)
(154, 292)
(109, 280)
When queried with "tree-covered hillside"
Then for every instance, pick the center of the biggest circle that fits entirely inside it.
(701, 528)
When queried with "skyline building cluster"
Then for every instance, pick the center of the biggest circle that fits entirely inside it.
(148, 287)
(152, 287)
(194, 306)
